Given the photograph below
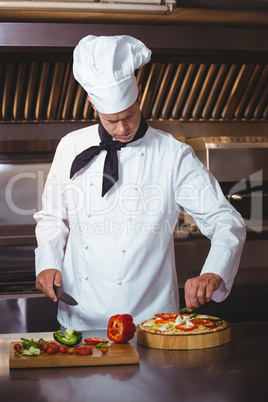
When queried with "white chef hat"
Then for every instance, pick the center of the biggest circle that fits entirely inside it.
(105, 67)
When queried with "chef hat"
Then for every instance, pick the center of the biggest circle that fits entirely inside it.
(105, 67)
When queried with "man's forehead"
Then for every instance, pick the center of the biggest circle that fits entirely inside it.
(120, 115)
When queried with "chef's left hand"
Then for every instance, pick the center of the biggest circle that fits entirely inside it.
(199, 290)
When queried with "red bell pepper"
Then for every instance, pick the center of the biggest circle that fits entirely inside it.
(169, 316)
(94, 341)
(184, 328)
(206, 323)
(121, 328)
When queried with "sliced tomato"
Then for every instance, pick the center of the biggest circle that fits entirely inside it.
(104, 350)
(95, 341)
(206, 323)
(184, 328)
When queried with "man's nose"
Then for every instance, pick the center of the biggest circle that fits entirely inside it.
(122, 126)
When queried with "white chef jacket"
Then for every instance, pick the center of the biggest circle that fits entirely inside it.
(116, 253)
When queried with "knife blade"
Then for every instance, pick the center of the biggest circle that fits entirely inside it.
(63, 296)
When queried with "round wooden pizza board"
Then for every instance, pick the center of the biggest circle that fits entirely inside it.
(185, 341)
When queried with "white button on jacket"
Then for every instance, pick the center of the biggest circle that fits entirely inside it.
(167, 177)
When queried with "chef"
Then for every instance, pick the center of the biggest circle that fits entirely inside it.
(113, 197)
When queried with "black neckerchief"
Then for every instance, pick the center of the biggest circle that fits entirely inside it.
(110, 170)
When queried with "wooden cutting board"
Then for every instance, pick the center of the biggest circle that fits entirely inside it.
(123, 353)
(185, 341)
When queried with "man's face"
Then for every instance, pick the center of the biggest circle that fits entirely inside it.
(122, 126)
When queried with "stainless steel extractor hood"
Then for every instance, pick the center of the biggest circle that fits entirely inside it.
(102, 6)
(43, 91)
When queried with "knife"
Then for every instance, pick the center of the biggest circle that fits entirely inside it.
(63, 296)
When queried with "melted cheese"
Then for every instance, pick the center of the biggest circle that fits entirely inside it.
(189, 324)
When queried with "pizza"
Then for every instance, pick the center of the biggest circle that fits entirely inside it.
(182, 324)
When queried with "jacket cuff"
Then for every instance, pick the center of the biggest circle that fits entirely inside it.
(45, 258)
(225, 265)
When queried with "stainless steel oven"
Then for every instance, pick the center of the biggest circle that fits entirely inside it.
(22, 177)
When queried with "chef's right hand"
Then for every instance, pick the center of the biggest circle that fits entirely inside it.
(46, 280)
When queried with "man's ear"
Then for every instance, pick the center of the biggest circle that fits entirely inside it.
(91, 103)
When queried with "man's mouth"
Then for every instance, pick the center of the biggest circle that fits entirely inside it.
(124, 135)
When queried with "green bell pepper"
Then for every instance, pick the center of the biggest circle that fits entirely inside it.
(27, 343)
(69, 337)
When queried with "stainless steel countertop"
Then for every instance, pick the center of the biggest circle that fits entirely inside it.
(237, 371)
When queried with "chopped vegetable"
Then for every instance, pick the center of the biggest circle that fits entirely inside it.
(206, 323)
(69, 337)
(193, 315)
(17, 347)
(214, 319)
(103, 345)
(42, 341)
(184, 310)
(32, 351)
(95, 341)
(42, 344)
(63, 349)
(121, 328)
(169, 316)
(184, 327)
(45, 347)
(27, 343)
(159, 321)
(83, 350)
(31, 348)
(52, 348)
